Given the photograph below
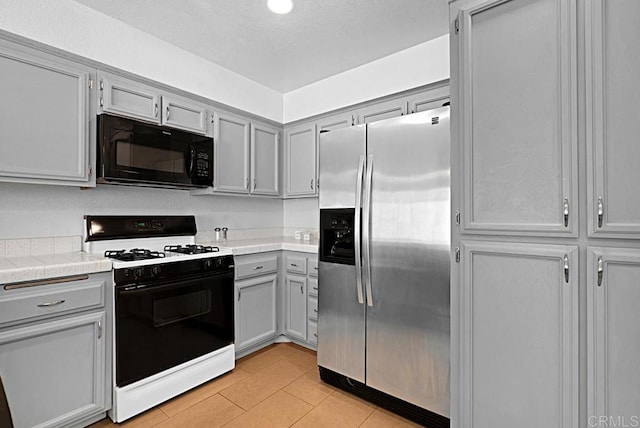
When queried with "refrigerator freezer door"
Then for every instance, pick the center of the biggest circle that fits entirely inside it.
(341, 328)
(340, 152)
(407, 334)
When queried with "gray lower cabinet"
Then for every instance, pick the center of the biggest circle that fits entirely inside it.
(613, 342)
(519, 342)
(312, 305)
(54, 353)
(301, 297)
(296, 304)
(256, 288)
(55, 147)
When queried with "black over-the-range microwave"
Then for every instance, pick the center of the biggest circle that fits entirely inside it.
(138, 153)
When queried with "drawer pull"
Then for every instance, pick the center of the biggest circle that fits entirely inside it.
(315, 268)
(294, 265)
(315, 335)
(48, 304)
(315, 310)
(258, 267)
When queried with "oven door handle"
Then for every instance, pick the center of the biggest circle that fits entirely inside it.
(129, 290)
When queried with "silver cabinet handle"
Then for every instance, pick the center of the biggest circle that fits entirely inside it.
(301, 290)
(155, 110)
(600, 211)
(247, 183)
(239, 294)
(566, 268)
(311, 184)
(99, 329)
(258, 267)
(600, 270)
(565, 211)
(254, 184)
(356, 230)
(168, 113)
(315, 288)
(49, 304)
(315, 335)
(294, 265)
(315, 310)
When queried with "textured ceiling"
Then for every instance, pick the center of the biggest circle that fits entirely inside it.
(319, 38)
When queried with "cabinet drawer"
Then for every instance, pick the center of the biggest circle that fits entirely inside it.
(312, 328)
(53, 299)
(248, 268)
(313, 267)
(297, 264)
(312, 308)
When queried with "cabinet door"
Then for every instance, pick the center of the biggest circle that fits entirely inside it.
(53, 372)
(183, 114)
(380, 111)
(300, 161)
(613, 343)
(518, 336)
(613, 102)
(44, 119)
(255, 311)
(516, 76)
(335, 122)
(428, 100)
(264, 160)
(296, 306)
(231, 143)
(128, 98)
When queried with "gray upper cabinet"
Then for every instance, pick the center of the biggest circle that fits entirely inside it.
(335, 122)
(613, 343)
(516, 73)
(231, 143)
(264, 160)
(428, 100)
(613, 102)
(184, 114)
(300, 161)
(55, 147)
(383, 110)
(128, 98)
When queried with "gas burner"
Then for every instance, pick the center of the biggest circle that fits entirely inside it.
(133, 255)
(190, 249)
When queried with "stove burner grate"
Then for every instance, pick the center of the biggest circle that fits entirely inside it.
(191, 249)
(133, 254)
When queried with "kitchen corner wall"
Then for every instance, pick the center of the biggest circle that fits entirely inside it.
(31, 211)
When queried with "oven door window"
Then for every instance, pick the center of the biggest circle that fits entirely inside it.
(163, 325)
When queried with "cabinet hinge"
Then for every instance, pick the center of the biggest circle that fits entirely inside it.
(457, 25)
(90, 83)
(458, 217)
(457, 254)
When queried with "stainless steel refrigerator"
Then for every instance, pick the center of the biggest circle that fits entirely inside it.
(383, 297)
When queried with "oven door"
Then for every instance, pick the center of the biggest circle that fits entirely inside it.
(161, 325)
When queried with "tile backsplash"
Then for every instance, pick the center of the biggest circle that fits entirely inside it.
(40, 246)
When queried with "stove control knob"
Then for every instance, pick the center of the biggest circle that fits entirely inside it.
(155, 270)
(207, 264)
(219, 262)
(137, 273)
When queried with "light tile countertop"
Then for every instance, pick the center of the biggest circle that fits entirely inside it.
(42, 266)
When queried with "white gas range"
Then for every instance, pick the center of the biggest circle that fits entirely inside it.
(173, 308)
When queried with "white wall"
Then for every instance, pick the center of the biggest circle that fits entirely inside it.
(420, 65)
(302, 214)
(78, 29)
(31, 211)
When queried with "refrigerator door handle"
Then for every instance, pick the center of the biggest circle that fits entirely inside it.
(366, 228)
(356, 228)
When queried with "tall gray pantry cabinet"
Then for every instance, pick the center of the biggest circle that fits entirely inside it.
(545, 190)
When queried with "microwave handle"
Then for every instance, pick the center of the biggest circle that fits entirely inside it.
(192, 156)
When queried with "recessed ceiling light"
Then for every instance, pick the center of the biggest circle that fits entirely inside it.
(280, 6)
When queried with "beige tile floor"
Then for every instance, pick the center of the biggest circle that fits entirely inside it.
(278, 386)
